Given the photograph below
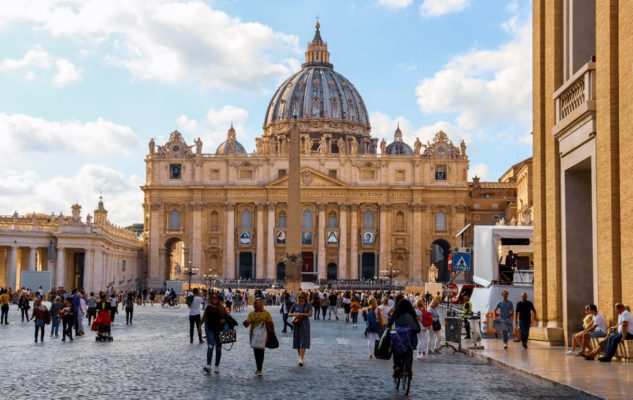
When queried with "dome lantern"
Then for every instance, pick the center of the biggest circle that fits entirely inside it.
(317, 53)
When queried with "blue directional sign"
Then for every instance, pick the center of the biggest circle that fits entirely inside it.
(462, 262)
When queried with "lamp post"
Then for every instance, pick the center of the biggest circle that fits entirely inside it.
(210, 277)
(190, 270)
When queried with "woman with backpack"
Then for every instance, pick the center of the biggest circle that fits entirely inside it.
(41, 317)
(403, 316)
(425, 319)
(435, 336)
(373, 329)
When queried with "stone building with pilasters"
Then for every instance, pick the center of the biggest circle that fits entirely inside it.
(362, 211)
(80, 253)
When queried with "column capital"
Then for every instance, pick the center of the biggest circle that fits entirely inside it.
(229, 206)
(353, 207)
(384, 206)
(271, 205)
(155, 206)
(197, 205)
(343, 207)
(321, 207)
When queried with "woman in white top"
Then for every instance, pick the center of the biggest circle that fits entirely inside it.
(384, 311)
(435, 336)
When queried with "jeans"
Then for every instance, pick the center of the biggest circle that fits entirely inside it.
(67, 328)
(92, 312)
(259, 358)
(129, 313)
(4, 317)
(317, 311)
(323, 311)
(55, 326)
(25, 314)
(195, 320)
(355, 318)
(41, 331)
(212, 343)
(286, 323)
(506, 334)
(524, 327)
(611, 345)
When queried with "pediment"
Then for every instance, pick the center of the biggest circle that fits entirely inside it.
(309, 178)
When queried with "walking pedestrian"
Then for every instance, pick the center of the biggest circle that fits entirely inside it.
(113, 307)
(324, 305)
(4, 307)
(373, 329)
(301, 311)
(347, 300)
(523, 318)
(504, 322)
(435, 334)
(315, 299)
(24, 306)
(467, 312)
(56, 307)
(194, 315)
(82, 311)
(41, 316)
(152, 297)
(129, 308)
(284, 310)
(214, 318)
(332, 302)
(91, 302)
(68, 320)
(383, 311)
(354, 307)
(423, 337)
(259, 318)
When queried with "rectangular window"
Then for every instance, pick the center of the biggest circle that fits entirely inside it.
(123, 264)
(332, 173)
(440, 173)
(400, 175)
(246, 174)
(281, 173)
(175, 171)
(215, 175)
(368, 174)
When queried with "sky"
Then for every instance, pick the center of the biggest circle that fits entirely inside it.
(85, 84)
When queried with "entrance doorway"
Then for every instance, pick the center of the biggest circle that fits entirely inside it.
(281, 271)
(245, 267)
(331, 272)
(440, 250)
(368, 266)
(175, 259)
(307, 269)
(78, 269)
(578, 235)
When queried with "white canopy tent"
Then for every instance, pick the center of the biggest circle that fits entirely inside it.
(485, 268)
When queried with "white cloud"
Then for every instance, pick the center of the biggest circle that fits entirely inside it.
(394, 4)
(383, 126)
(66, 73)
(22, 133)
(33, 58)
(227, 115)
(167, 40)
(481, 170)
(485, 87)
(27, 191)
(436, 8)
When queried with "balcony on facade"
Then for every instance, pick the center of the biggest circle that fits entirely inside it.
(576, 103)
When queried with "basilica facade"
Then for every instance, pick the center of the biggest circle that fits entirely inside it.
(368, 206)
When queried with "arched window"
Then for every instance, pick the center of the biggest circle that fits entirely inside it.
(400, 221)
(331, 220)
(282, 220)
(246, 220)
(307, 219)
(440, 221)
(214, 219)
(174, 219)
(368, 219)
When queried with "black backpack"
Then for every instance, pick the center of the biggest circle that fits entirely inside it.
(189, 300)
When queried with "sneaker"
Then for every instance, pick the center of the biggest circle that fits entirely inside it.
(570, 353)
(505, 346)
(419, 357)
(259, 373)
(216, 370)
(207, 369)
(371, 355)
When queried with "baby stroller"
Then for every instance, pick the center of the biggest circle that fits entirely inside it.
(101, 325)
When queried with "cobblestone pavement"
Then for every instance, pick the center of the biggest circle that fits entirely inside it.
(153, 358)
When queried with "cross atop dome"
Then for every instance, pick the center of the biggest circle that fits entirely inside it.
(317, 53)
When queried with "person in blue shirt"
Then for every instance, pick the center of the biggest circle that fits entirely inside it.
(504, 322)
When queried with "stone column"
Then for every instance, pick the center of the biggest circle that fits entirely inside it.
(12, 267)
(270, 251)
(321, 252)
(353, 256)
(60, 268)
(156, 265)
(259, 256)
(32, 259)
(229, 261)
(88, 270)
(384, 237)
(97, 270)
(416, 243)
(196, 243)
(342, 243)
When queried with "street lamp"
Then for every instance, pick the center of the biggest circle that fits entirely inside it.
(190, 270)
(390, 273)
(210, 277)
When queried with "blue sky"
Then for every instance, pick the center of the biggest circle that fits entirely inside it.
(84, 84)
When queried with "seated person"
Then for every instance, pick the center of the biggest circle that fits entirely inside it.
(615, 335)
(595, 326)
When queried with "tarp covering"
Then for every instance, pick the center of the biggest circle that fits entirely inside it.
(486, 263)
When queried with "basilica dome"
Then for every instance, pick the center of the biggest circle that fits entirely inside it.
(398, 146)
(317, 93)
(231, 145)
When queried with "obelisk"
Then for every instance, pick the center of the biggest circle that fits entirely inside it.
(293, 257)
